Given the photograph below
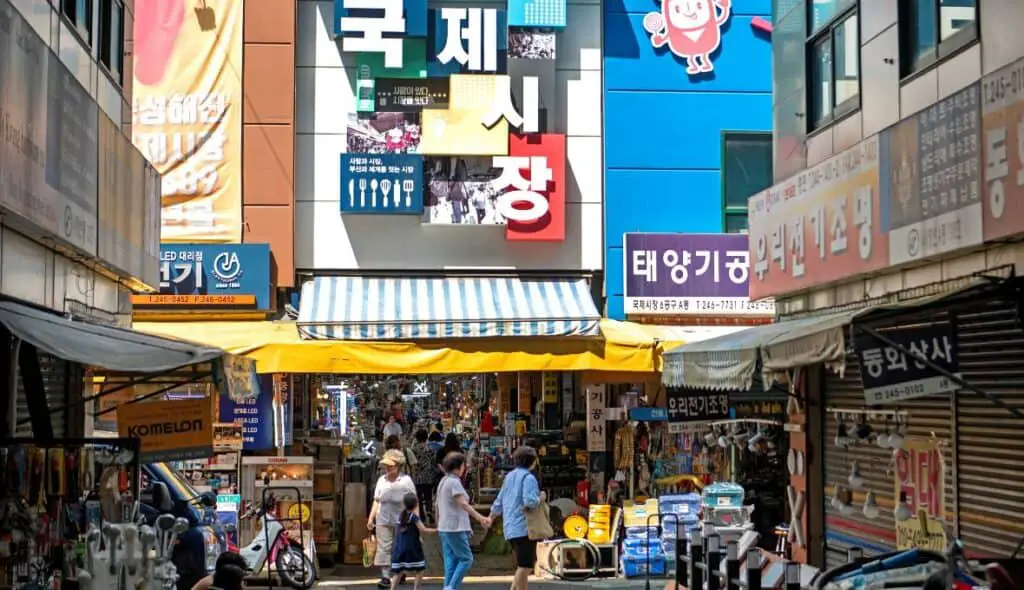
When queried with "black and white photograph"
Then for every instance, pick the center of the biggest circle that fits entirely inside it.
(525, 44)
(459, 191)
(384, 133)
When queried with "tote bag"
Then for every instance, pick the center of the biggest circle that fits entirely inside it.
(538, 522)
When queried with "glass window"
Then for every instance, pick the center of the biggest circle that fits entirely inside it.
(847, 51)
(747, 167)
(112, 37)
(735, 223)
(931, 29)
(79, 13)
(820, 77)
(955, 16)
(823, 11)
(833, 69)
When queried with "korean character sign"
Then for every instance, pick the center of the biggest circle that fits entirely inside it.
(689, 274)
(891, 375)
(1002, 122)
(692, 405)
(187, 115)
(532, 182)
(819, 226)
(385, 184)
(596, 435)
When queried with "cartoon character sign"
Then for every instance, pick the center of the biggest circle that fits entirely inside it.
(692, 29)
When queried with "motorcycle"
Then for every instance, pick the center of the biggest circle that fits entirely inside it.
(293, 566)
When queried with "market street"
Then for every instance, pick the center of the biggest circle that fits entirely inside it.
(494, 583)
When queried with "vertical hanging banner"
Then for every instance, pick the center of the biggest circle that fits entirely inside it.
(595, 418)
(919, 478)
(187, 114)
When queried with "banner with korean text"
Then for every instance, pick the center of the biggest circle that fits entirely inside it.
(1002, 122)
(689, 274)
(187, 114)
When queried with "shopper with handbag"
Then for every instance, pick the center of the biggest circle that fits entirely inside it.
(525, 513)
(388, 502)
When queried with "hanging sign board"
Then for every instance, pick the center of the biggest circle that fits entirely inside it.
(889, 375)
(596, 442)
(687, 405)
(920, 476)
(410, 95)
(169, 430)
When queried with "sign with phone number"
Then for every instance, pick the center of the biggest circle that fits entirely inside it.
(685, 405)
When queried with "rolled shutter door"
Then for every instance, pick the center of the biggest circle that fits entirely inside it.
(55, 382)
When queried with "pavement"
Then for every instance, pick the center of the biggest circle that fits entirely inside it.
(493, 583)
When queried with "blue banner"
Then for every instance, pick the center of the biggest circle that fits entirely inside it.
(540, 14)
(385, 184)
(216, 269)
(255, 412)
(649, 414)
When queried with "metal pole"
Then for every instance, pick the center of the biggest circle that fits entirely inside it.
(682, 579)
(696, 556)
(712, 561)
(732, 565)
(792, 575)
(753, 569)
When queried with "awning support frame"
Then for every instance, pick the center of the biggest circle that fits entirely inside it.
(938, 369)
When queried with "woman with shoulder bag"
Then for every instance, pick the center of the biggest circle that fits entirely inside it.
(522, 505)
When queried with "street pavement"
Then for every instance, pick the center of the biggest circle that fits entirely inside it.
(494, 583)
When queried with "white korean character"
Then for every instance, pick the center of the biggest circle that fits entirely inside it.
(710, 258)
(723, 404)
(862, 219)
(501, 105)
(526, 191)
(181, 145)
(181, 271)
(477, 52)
(711, 403)
(677, 269)
(694, 406)
(212, 149)
(213, 108)
(153, 111)
(818, 222)
(738, 264)
(838, 244)
(374, 28)
(796, 246)
(183, 109)
(779, 245)
(154, 146)
(942, 350)
(919, 350)
(996, 169)
(896, 359)
(645, 264)
(761, 264)
(873, 361)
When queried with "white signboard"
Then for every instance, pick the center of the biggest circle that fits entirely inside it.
(596, 435)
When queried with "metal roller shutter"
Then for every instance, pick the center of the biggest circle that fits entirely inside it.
(55, 380)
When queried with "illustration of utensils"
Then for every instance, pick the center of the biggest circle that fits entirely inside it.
(385, 191)
(362, 193)
(398, 193)
(373, 193)
(408, 186)
(351, 193)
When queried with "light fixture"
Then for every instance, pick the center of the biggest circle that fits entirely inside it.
(752, 442)
(882, 438)
(870, 505)
(723, 440)
(835, 501)
(855, 479)
(898, 435)
(710, 439)
(901, 513)
(841, 438)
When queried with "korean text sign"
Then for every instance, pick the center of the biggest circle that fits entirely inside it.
(596, 437)
(889, 375)
(920, 478)
(169, 430)
(1003, 147)
(217, 270)
(533, 180)
(931, 179)
(819, 226)
(254, 410)
(382, 183)
(187, 114)
(689, 274)
(689, 405)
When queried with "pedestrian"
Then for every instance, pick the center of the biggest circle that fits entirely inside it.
(394, 443)
(393, 427)
(426, 474)
(454, 528)
(388, 500)
(223, 560)
(229, 577)
(408, 556)
(451, 445)
(519, 493)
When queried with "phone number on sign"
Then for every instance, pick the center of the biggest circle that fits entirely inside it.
(699, 305)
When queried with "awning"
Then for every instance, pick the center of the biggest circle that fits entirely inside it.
(277, 348)
(360, 308)
(105, 347)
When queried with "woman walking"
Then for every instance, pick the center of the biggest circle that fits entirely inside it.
(426, 474)
(453, 514)
(520, 493)
(451, 445)
(388, 502)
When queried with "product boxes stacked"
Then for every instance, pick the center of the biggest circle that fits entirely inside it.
(724, 509)
(642, 552)
(599, 525)
(680, 514)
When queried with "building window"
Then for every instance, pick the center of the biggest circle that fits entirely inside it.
(834, 67)
(932, 29)
(746, 170)
(111, 49)
(79, 14)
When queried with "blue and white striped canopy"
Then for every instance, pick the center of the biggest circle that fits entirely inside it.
(358, 308)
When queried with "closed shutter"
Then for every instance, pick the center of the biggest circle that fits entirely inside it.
(990, 440)
(55, 378)
(928, 415)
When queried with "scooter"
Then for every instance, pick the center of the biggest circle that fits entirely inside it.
(293, 566)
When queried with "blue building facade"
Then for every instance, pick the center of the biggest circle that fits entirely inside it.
(688, 118)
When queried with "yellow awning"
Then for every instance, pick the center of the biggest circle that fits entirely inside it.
(277, 348)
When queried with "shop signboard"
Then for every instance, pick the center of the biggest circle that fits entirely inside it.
(283, 387)
(596, 400)
(549, 381)
(193, 275)
(255, 412)
(382, 184)
(891, 376)
(1002, 121)
(689, 274)
(920, 479)
(409, 95)
(647, 414)
(169, 430)
(819, 226)
(930, 179)
(689, 405)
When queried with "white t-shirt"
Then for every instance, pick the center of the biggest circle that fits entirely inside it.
(451, 518)
(392, 429)
(391, 496)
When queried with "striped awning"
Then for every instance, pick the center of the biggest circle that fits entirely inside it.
(360, 308)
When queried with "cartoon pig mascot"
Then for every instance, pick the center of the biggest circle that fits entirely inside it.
(692, 29)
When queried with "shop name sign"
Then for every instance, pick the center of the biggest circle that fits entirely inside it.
(169, 430)
(690, 29)
(689, 274)
(1002, 122)
(920, 479)
(212, 274)
(889, 375)
(687, 405)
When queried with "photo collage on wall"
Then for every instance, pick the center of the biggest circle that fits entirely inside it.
(469, 93)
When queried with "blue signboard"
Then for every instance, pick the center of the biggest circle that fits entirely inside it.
(414, 12)
(649, 414)
(541, 14)
(382, 183)
(255, 412)
(216, 270)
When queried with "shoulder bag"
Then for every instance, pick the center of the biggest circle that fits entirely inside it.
(538, 522)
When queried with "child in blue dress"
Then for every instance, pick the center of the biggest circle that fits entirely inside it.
(408, 554)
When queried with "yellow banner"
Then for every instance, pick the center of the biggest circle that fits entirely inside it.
(169, 430)
(187, 113)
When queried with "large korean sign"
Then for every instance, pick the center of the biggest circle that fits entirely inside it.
(1002, 109)
(187, 114)
(819, 226)
(231, 275)
(691, 405)
(382, 183)
(689, 274)
(919, 479)
(890, 375)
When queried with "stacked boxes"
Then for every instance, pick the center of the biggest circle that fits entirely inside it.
(642, 552)
(678, 511)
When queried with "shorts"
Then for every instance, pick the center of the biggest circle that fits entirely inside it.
(525, 551)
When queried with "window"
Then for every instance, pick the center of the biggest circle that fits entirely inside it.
(79, 14)
(111, 49)
(932, 29)
(833, 70)
(746, 170)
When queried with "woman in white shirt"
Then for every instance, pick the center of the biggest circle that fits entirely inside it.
(388, 496)
(453, 514)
